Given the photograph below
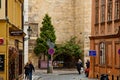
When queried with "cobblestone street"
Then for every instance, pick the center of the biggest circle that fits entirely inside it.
(64, 74)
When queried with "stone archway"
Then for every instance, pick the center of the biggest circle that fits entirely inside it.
(67, 59)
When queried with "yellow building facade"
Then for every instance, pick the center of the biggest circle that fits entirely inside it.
(11, 39)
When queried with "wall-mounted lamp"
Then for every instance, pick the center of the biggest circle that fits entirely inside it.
(29, 31)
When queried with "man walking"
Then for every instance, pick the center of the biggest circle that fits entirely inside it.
(31, 69)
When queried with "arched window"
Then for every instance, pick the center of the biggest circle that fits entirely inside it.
(102, 53)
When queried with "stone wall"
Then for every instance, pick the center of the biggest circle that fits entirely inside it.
(69, 18)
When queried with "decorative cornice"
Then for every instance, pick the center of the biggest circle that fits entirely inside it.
(106, 36)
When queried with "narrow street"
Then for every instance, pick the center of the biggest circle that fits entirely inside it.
(61, 74)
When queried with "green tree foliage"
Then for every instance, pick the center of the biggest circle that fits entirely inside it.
(70, 48)
(46, 32)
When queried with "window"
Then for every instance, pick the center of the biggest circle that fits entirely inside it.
(96, 11)
(102, 10)
(34, 28)
(109, 10)
(102, 53)
(117, 9)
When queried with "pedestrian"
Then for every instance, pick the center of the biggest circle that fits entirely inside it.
(31, 69)
(27, 69)
(88, 64)
(79, 65)
(87, 68)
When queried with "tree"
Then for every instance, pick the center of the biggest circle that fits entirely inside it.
(70, 48)
(46, 32)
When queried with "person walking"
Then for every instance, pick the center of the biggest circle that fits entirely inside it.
(27, 69)
(87, 68)
(88, 64)
(79, 65)
(31, 69)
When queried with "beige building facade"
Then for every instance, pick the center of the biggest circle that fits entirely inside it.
(69, 18)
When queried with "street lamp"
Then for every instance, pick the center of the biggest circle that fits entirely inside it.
(29, 31)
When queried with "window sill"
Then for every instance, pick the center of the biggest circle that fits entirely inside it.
(109, 22)
(96, 64)
(117, 66)
(96, 24)
(109, 66)
(116, 20)
(102, 65)
(102, 23)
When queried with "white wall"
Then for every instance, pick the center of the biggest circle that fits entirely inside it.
(25, 30)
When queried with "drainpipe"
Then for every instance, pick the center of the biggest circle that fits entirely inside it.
(6, 16)
(23, 30)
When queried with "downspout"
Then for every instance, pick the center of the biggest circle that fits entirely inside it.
(22, 10)
(6, 16)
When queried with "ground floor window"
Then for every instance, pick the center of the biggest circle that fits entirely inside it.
(102, 53)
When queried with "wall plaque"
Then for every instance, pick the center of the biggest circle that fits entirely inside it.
(16, 33)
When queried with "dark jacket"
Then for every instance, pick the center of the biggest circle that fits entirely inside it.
(31, 67)
(88, 64)
(79, 65)
(27, 69)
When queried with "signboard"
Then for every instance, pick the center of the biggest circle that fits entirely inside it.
(1, 41)
(92, 53)
(2, 62)
(16, 33)
(50, 44)
(51, 51)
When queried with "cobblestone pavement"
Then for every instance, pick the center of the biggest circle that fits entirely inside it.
(61, 74)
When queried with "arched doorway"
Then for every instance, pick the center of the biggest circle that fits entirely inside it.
(63, 60)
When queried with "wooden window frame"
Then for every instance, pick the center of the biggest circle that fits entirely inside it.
(117, 10)
(109, 10)
(96, 11)
(102, 53)
(103, 11)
